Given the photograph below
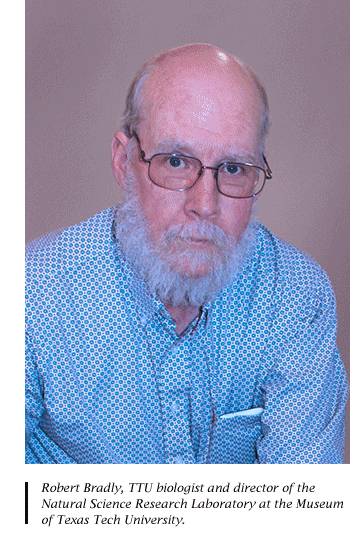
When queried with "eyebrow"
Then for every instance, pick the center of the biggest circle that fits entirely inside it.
(171, 145)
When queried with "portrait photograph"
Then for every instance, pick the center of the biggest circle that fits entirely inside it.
(184, 201)
(187, 232)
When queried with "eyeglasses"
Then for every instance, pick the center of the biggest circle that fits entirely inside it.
(178, 172)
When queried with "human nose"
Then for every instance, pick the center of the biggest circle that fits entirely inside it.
(202, 200)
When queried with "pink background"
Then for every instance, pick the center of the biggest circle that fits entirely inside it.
(81, 57)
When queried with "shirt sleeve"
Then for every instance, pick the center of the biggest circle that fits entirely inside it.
(305, 391)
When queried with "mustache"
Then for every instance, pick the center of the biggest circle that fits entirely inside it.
(198, 231)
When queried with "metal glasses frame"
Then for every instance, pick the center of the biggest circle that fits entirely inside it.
(215, 169)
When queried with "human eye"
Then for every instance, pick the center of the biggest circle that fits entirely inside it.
(172, 162)
(176, 161)
(232, 169)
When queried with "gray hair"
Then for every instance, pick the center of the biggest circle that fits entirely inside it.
(135, 97)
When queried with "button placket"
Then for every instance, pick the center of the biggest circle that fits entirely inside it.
(174, 391)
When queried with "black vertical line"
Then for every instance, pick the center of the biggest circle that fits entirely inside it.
(26, 503)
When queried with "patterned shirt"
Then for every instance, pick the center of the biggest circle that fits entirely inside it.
(255, 378)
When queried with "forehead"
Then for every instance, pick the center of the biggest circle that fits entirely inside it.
(209, 108)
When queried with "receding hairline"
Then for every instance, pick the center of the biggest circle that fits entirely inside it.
(135, 99)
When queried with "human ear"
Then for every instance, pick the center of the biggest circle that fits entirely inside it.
(119, 157)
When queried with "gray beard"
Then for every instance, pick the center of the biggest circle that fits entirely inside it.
(156, 262)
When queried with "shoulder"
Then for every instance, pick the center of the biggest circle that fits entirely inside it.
(288, 264)
(72, 246)
(297, 283)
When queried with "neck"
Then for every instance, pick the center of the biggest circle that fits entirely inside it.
(182, 315)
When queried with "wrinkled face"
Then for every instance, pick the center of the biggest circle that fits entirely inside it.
(214, 120)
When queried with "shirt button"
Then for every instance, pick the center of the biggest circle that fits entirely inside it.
(174, 407)
(178, 459)
(143, 320)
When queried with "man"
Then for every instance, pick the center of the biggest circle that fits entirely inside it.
(174, 328)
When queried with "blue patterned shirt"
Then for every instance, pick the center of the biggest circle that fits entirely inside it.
(256, 378)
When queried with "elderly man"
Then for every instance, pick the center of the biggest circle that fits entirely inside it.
(174, 328)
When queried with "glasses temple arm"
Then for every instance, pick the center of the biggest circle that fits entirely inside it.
(268, 169)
